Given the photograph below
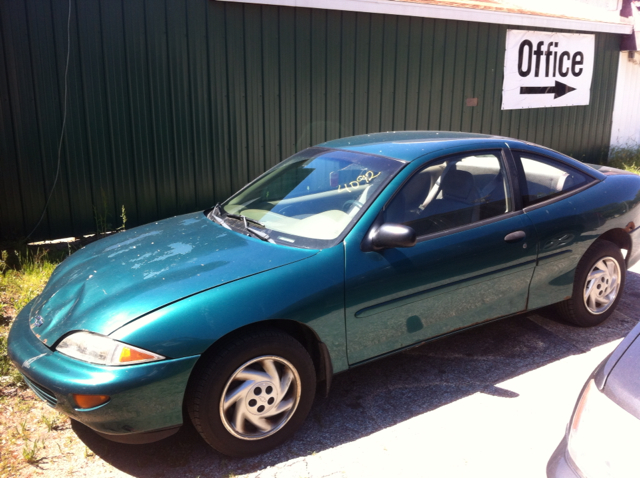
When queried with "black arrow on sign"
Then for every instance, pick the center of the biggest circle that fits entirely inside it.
(559, 90)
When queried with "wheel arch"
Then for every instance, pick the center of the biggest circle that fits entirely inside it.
(304, 334)
(621, 238)
(576, 310)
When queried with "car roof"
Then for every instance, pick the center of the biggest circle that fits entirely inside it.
(408, 145)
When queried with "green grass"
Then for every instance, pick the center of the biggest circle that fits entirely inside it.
(23, 275)
(626, 158)
(30, 454)
(51, 422)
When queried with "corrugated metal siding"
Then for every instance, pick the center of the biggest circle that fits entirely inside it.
(625, 130)
(175, 104)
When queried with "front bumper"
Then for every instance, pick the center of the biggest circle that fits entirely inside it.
(144, 398)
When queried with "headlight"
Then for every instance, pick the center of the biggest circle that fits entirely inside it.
(102, 350)
(604, 438)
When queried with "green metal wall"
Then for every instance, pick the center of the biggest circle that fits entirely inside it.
(174, 104)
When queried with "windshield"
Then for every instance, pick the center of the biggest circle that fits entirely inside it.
(310, 199)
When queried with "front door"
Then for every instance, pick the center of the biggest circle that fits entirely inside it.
(472, 262)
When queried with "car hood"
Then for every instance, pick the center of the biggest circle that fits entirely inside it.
(607, 366)
(117, 279)
(623, 382)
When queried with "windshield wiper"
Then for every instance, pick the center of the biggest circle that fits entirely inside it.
(259, 234)
(215, 216)
(240, 217)
(252, 231)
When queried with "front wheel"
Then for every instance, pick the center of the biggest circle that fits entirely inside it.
(253, 394)
(598, 284)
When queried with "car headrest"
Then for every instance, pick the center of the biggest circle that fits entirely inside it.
(458, 185)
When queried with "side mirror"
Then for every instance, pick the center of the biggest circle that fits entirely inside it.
(391, 235)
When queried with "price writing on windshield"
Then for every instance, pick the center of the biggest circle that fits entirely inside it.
(363, 178)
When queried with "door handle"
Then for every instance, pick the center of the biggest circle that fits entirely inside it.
(515, 236)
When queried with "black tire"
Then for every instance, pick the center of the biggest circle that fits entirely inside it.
(606, 295)
(272, 356)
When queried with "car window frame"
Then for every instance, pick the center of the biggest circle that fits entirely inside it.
(521, 177)
(512, 185)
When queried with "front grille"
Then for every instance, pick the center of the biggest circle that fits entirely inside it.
(42, 392)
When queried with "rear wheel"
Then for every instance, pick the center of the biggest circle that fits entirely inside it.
(597, 286)
(253, 394)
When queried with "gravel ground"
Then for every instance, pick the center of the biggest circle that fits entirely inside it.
(489, 402)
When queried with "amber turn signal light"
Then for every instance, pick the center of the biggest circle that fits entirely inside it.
(131, 354)
(90, 401)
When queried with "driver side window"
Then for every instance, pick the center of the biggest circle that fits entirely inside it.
(452, 192)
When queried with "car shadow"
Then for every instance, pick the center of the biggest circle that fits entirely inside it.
(386, 392)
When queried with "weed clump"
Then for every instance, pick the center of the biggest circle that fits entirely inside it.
(626, 158)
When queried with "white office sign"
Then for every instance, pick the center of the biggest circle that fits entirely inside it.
(543, 69)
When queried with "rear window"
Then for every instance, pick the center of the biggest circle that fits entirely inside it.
(545, 179)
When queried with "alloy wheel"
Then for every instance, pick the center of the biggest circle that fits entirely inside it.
(260, 397)
(602, 285)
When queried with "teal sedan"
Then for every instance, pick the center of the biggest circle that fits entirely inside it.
(343, 253)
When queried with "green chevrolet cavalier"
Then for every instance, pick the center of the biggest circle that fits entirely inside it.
(343, 253)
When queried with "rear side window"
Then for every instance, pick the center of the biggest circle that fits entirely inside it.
(545, 179)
